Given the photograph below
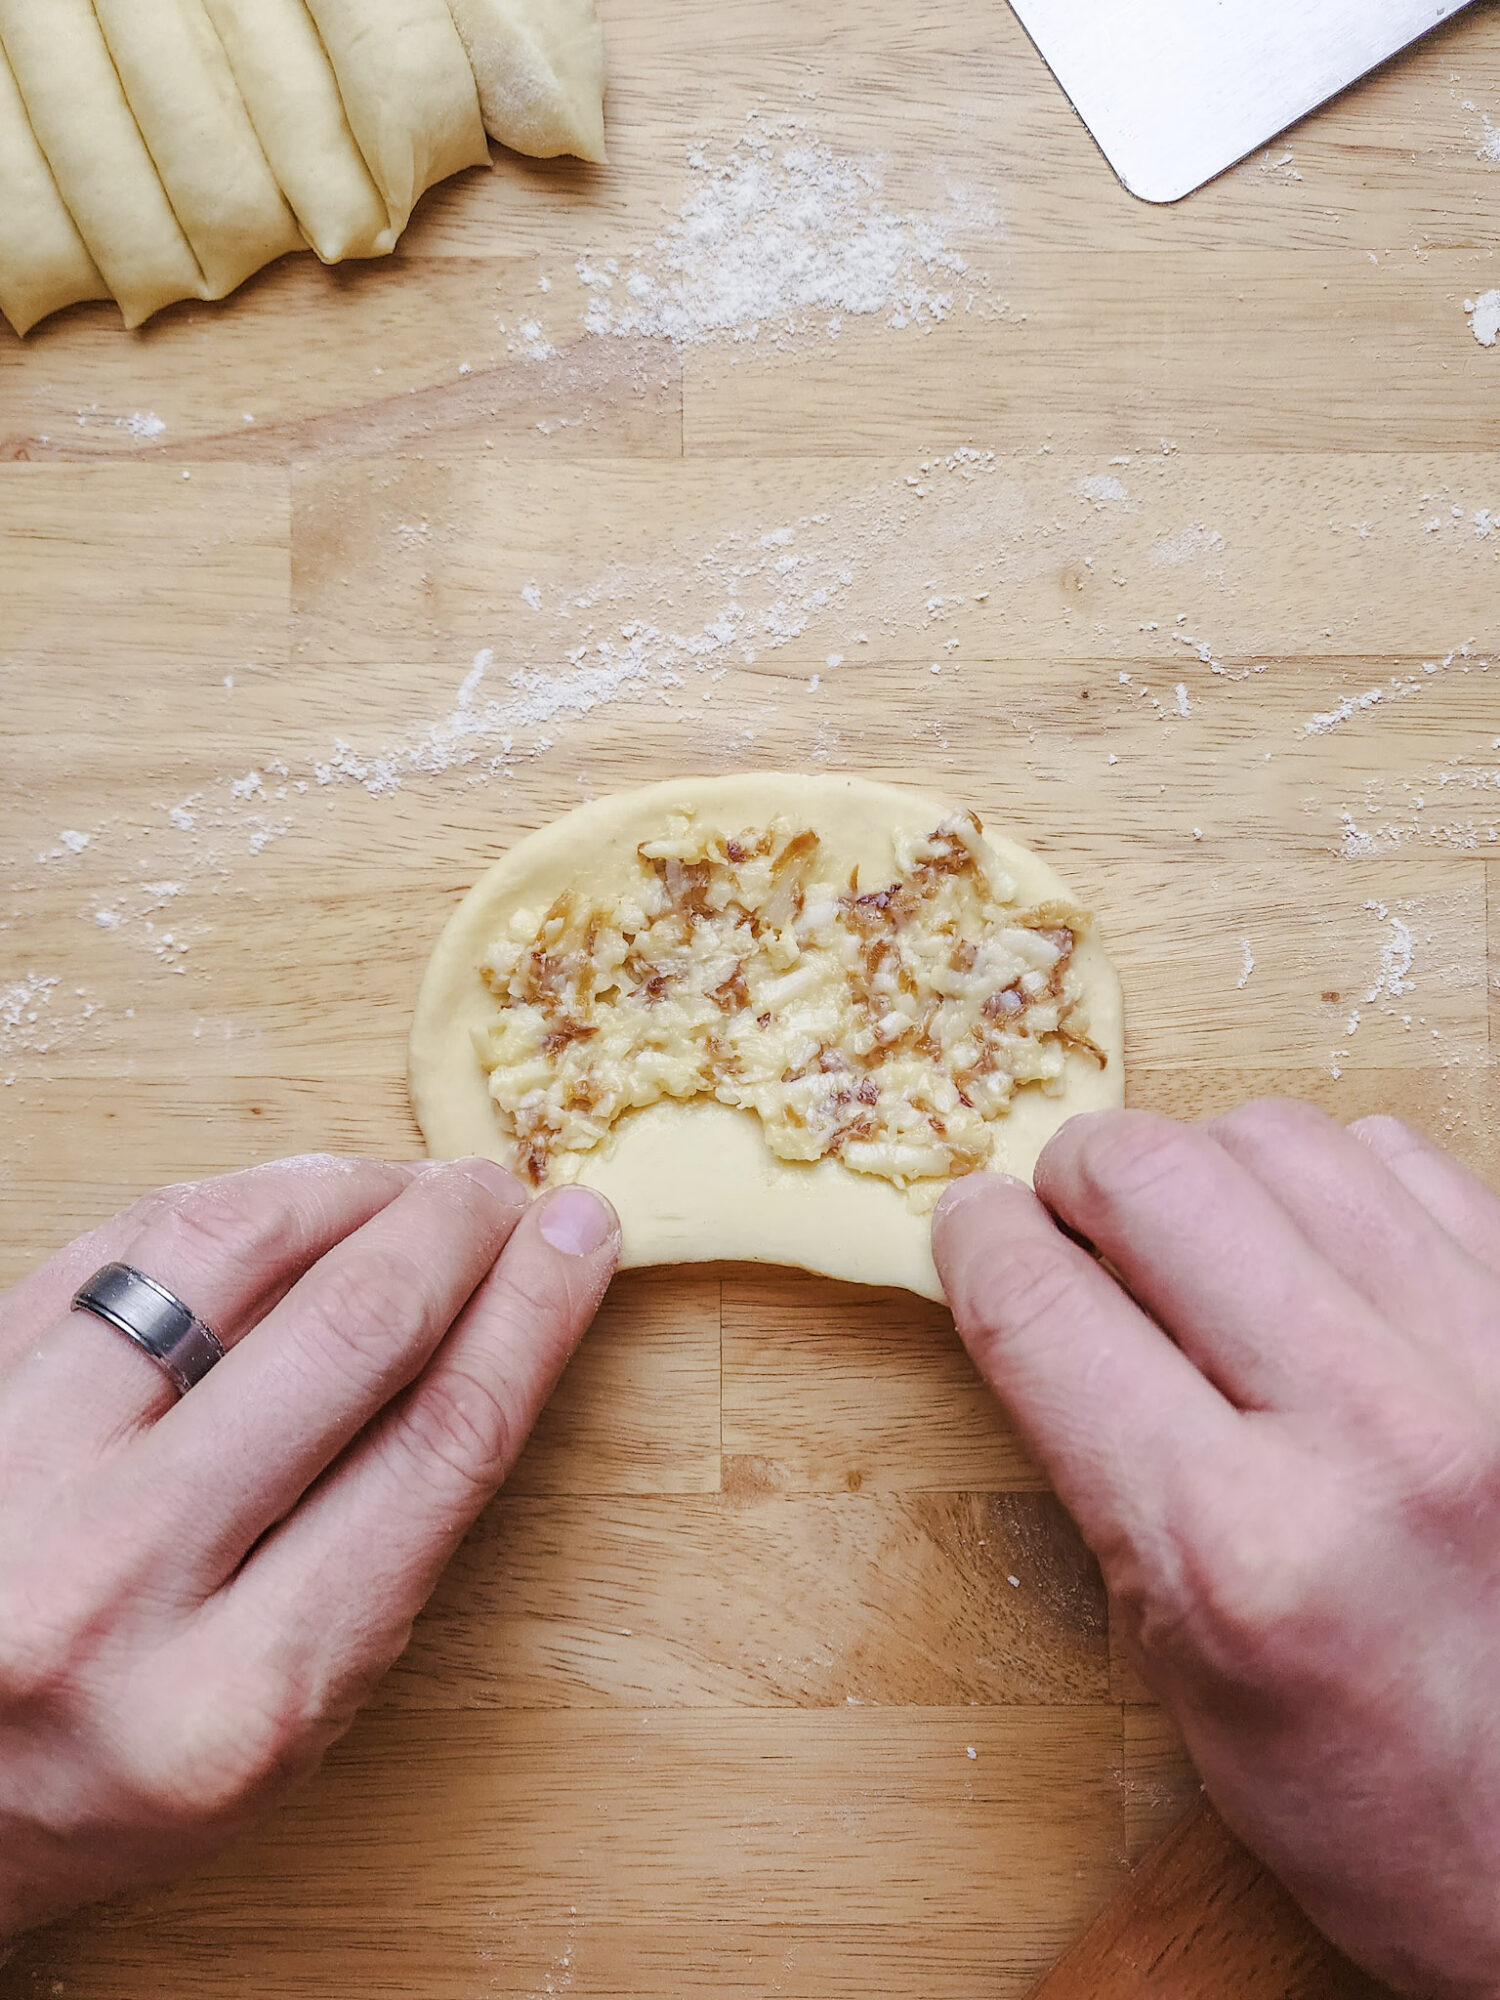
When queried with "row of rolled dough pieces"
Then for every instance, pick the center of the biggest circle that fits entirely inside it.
(155, 150)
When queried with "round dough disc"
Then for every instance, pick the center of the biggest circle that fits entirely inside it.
(696, 1182)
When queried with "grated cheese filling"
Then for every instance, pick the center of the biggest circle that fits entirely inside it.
(889, 1029)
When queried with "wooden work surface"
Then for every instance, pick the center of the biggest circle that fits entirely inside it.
(777, 1671)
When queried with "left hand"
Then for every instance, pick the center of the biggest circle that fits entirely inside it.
(196, 1595)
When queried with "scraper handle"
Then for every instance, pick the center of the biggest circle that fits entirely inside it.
(1200, 1920)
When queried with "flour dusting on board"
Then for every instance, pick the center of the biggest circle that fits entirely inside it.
(1393, 975)
(35, 1015)
(783, 237)
(667, 633)
(1484, 317)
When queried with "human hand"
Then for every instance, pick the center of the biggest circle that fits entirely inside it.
(1280, 1431)
(196, 1595)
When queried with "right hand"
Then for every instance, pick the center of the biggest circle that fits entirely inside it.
(196, 1596)
(1279, 1428)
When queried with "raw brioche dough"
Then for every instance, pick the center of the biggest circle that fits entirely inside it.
(98, 158)
(292, 96)
(156, 150)
(408, 91)
(178, 83)
(696, 1181)
(44, 263)
(540, 69)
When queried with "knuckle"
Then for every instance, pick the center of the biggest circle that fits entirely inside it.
(1034, 1284)
(532, 1298)
(51, 1618)
(250, 1736)
(1446, 1465)
(212, 1781)
(33, 1665)
(1135, 1156)
(1238, 1598)
(360, 1307)
(229, 1221)
(458, 1428)
(1271, 1122)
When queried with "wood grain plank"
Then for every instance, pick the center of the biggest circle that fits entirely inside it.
(743, 1957)
(830, 1389)
(1161, 1784)
(370, 376)
(1174, 367)
(1099, 554)
(854, 1814)
(887, 1600)
(1199, 1919)
(638, 1410)
(120, 569)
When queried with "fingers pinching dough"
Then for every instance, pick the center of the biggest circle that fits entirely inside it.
(180, 86)
(292, 95)
(408, 91)
(540, 68)
(98, 158)
(44, 263)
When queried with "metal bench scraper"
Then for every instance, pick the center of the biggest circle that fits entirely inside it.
(1175, 91)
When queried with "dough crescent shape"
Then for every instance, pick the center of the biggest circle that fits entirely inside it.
(408, 92)
(98, 158)
(292, 96)
(540, 69)
(696, 1182)
(44, 262)
(180, 86)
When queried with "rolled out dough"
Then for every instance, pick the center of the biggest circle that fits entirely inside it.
(695, 1181)
(408, 91)
(44, 262)
(98, 158)
(178, 82)
(540, 69)
(292, 96)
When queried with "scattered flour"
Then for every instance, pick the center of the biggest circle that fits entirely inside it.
(1187, 544)
(140, 423)
(1489, 145)
(1484, 317)
(1103, 487)
(782, 236)
(1319, 725)
(1392, 978)
(32, 1022)
(1398, 688)
(1246, 968)
(670, 633)
(24, 1007)
(1282, 167)
(1391, 983)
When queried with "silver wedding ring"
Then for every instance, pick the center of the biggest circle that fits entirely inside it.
(155, 1319)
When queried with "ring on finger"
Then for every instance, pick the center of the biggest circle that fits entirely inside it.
(155, 1319)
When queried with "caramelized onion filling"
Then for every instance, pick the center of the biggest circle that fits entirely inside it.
(888, 1028)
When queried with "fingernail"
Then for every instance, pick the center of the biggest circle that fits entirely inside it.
(577, 1221)
(494, 1179)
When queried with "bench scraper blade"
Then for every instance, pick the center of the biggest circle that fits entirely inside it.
(1175, 91)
